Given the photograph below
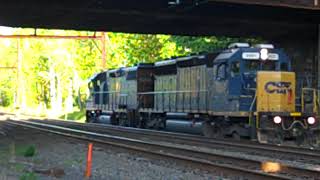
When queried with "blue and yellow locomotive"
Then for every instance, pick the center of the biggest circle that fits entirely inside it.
(243, 91)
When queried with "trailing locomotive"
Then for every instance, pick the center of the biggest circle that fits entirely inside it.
(242, 91)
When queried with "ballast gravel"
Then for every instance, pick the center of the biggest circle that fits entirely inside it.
(58, 157)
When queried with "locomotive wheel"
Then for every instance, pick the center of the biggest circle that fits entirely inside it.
(262, 137)
(317, 137)
(313, 140)
(211, 131)
(301, 137)
(277, 138)
(92, 120)
(113, 119)
(236, 136)
(300, 140)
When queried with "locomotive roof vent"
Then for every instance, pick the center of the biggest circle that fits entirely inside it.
(264, 46)
(238, 45)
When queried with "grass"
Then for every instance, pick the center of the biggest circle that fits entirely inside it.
(28, 176)
(75, 115)
(19, 167)
(26, 151)
(23, 150)
(4, 156)
(71, 162)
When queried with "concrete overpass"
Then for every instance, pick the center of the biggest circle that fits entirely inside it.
(267, 18)
(291, 24)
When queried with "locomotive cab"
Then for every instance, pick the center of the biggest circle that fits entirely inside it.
(97, 85)
(258, 84)
(277, 113)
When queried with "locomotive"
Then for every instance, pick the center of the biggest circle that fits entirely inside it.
(243, 91)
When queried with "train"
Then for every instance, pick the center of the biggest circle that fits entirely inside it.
(243, 92)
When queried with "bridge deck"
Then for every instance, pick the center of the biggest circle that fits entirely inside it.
(269, 18)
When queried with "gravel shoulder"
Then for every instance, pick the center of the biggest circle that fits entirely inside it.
(58, 157)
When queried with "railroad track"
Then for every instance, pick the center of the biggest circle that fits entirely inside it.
(229, 165)
(283, 153)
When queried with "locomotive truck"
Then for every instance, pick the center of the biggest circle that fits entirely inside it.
(243, 91)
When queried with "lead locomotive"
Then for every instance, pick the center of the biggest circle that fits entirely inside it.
(242, 91)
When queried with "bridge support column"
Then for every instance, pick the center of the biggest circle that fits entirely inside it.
(318, 54)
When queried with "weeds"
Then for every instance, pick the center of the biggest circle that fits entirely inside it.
(28, 176)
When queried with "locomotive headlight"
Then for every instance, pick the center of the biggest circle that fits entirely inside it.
(264, 54)
(311, 120)
(92, 112)
(277, 119)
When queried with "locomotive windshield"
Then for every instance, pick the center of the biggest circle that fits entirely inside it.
(265, 60)
(268, 65)
(252, 65)
(255, 65)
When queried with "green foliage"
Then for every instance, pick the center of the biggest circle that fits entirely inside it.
(28, 176)
(86, 57)
(6, 94)
(130, 49)
(187, 44)
(26, 151)
(8, 76)
(75, 115)
(41, 71)
(30, 151)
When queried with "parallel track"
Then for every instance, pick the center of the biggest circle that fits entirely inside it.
(296, 154)
(210, 161)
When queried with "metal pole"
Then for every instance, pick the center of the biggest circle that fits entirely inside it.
(103, 51)
(318, 54)
(47, 37)
(19, 68)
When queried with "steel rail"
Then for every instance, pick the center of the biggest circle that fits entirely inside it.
(312, 156)
(243, 166)
(306, 153)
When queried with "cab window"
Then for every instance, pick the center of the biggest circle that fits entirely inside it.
(269, 66)
(235, 68)
(221, 72)
(252, 65)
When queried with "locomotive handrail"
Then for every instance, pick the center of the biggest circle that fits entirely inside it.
(115, 95)
(251, 109)
(168, 92)
(315, 101)
(108, 92)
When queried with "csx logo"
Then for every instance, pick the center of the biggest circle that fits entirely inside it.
(278, 87)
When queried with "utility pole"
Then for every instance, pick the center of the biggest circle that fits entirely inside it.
(19, 75)
(103, 51)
